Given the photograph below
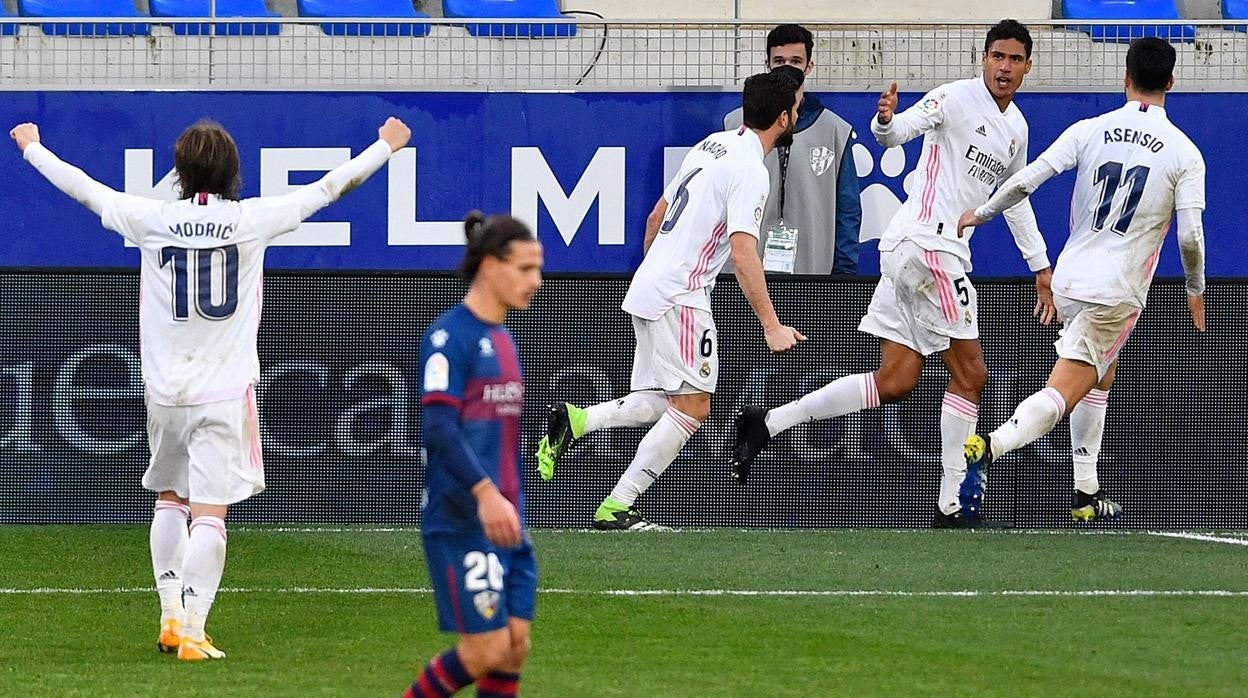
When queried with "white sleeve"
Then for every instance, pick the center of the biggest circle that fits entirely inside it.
(275, 215)
(1064, 153)
(927, 114)
(1192, 249)
(1021, 220)
(1016, 190)
(1189, 191)
(747, 196)
(117, 211)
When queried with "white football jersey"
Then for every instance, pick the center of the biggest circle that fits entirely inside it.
(969, 147)
(202, 269)
(1135, 170)
(721, 189)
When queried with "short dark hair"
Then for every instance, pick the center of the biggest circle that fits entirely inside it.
(1009, 29)
(489, 237)
(766, 96)
(792, 72)
(205, 159)
(1150, 63)
(786, 34)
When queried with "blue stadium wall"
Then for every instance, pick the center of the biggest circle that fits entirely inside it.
(342, 322)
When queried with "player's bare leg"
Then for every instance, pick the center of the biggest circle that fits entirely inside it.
(660, 446)
(1087, 425)
(567, 423)
(898, 374)
(202, 568)
(168, 538)
(959, 414)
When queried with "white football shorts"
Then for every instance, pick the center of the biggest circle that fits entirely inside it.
(678, 353)
(209, 454)
(923, 300)
(1093, 333)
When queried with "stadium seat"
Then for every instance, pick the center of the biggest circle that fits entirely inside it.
(7, 29)
(365, 8)
(1235, 9)
(1109, 10)
(509, 9)
(85, 8)
(225, 8)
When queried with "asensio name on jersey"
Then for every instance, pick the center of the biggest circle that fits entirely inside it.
(970, 147)
(1136, 168)
(721, 189)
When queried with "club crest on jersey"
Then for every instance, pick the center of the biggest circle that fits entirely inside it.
(439, 337)
(967, 318)
(705, 371)
(486, 603)
(1013, 147)
(487, 347)
(758, 215)
(821, 159)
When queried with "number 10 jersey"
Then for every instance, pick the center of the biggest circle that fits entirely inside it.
(202, 270)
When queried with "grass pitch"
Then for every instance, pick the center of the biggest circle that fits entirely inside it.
(346, 612)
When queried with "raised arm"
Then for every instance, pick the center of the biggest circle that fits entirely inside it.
(61, 174)
(891, 129)
(391, 137)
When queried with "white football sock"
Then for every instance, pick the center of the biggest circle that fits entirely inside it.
(168, 537)
(638, 409)
(203, 566)
(958, 417)
(1087, 425)
(840, 397)
(657, 450)
(1033, 418)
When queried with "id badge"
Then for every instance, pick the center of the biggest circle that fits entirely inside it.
(780, 249)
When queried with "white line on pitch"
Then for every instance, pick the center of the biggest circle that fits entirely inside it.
(686, 592)
(1187, 535)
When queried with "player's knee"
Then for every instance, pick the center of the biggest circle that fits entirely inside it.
(485, 651)
(972, 378)
(895, 385)
(520, 646)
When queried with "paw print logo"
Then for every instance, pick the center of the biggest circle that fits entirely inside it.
(882, 192)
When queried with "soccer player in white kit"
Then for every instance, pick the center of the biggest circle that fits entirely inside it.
(202, 268)
(709, 212)
(1136, 173)
(974, 137)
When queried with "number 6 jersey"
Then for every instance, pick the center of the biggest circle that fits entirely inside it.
(202, 269)
(1135, 170)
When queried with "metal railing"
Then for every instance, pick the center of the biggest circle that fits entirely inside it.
(440, 54)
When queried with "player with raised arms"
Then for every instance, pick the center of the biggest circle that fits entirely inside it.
(202, 261)
(1135, 171)
(480, 558)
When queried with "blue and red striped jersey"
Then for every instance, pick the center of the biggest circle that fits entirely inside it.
(471, 366)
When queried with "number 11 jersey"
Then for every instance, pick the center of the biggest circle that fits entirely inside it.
(1135, 169)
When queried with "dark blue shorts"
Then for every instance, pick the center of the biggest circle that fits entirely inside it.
(477, 585)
